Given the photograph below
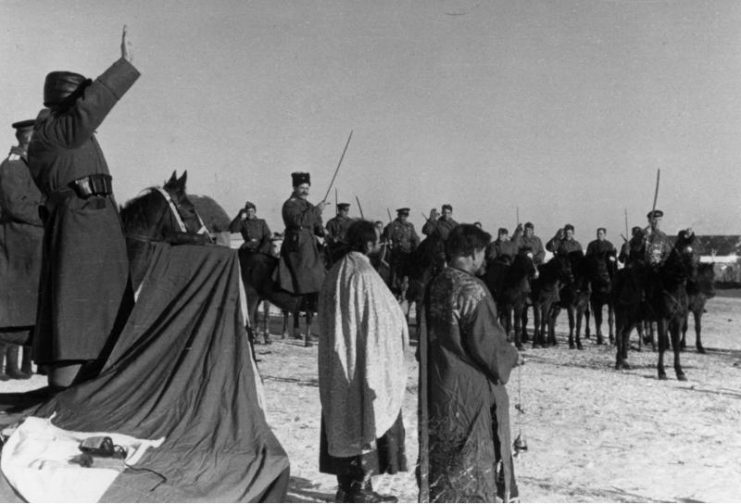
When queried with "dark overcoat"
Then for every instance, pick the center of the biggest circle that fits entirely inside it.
(21, 233)
(301, 269)
(85, 267)
(469, 363)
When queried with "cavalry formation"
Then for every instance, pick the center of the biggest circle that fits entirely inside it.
(635, 297)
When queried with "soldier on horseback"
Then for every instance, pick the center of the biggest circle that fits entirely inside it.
(255, 232)
(336, 230)
(440, 225)
(533, 243)
(563, 242)
(301, 269)
(504, 249)
(403, 241)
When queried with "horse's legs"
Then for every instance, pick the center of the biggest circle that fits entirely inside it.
(611, 321)
(622, 339)
(266, 322)
(698, 328)
(581, 313)
(286, 316)
(597, 312)
(663, 343)
(537, 333)
(570, 313)
(309, 320)
(674, 329)
(551, 312)
(525, 337)
(517, 315)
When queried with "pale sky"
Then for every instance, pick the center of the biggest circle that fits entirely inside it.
(561, 109)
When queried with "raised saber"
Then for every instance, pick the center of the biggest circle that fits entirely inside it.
(389, 212)
(338, 166)
(627, 231)
(360, 208)
(656, 192)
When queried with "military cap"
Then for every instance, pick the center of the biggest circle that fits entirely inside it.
(655, 214)
(300, 178)
(567, 227)
(24, 124)
(61, 86)
(529, 225)
(503, 231)
(249, 204)
(402, 211)
(636, 230)
(604, 230)
(447, 206)
(343, 206)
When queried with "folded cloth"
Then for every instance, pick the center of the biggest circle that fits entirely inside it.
(37, 460)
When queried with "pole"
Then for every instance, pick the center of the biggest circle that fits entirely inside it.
(517, 209)
(338, 167)
(656, 192)
(389, 212)
(627, 231)
(360, 208)
(335, 199)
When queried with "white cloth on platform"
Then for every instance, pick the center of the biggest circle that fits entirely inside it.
(36, 461)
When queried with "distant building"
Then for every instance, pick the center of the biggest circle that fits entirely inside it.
(724, 251)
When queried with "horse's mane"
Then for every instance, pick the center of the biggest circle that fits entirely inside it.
(137, 212)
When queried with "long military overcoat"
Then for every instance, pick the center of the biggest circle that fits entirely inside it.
(85, 267)
(21, 233)
(301, 268)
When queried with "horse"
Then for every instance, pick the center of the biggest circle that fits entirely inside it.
(601, 269)
(163, 214)
(509, 285)
(545, 292)
(699, 290)
(574, 298)
(426, 261)
(257, 277)
(666, 302)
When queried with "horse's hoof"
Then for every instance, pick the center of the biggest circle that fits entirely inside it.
(537, 345)
(662, 375)
(701, 350)
(681, 377)
(600, 341)
(579, 346)
(571, 345)
(519, 346)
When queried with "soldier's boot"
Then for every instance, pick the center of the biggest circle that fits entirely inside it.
(26, 363)
(3, 348)
(11, 363)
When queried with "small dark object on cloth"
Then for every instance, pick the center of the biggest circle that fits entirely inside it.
(102, 446)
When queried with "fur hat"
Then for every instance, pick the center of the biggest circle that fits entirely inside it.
(61, 87)
(300, 178)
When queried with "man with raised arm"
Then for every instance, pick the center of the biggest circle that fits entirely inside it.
(85, 270)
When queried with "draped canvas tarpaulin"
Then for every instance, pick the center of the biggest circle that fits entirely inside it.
(183, 369)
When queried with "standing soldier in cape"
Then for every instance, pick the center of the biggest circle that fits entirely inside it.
(255, 232)
(336, 230)
(403, 240)
(301, 269)
(85, 269)
(442, 225)
(21, 235)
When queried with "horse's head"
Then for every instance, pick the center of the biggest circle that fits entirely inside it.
(524, 264)
(175, 187)
(683, 260)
